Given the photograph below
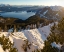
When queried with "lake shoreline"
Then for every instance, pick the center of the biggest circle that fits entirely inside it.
(21, 15)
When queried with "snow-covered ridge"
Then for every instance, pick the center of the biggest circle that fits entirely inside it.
(35, 37)
(56, 8)
(51, 12)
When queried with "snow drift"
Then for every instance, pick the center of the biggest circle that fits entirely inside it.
(35, 38)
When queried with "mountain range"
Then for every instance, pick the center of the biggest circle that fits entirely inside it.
(30, 40)
(52, 12)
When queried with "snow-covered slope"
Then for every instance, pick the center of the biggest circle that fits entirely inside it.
(35, 38)
(52, 12)
(56, 8)
(1, 49)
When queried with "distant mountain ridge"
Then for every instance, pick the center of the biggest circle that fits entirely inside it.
(10, 8)
(48, 12)
(52, 12)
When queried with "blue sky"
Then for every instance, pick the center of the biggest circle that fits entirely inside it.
(33, 2)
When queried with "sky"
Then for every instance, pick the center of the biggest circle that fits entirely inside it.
(33, 2)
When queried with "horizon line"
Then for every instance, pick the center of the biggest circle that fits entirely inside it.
(31, 5)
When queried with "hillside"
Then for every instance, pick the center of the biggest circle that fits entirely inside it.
(52, 12)
(34, 37)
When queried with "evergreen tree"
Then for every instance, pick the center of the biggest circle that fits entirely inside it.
(56, 35)
(6, 44)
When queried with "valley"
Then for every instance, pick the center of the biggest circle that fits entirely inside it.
(28, 28)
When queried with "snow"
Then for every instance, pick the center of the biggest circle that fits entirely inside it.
(56, 8)
(57, 14)
(35, 37)
(10, 30)
(45, 12)
(41, 15)
(18, 42)
(1, 50)
(56, 45)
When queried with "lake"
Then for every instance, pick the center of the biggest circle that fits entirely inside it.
(21, 15)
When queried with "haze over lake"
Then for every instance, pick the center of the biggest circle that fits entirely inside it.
(21, 15)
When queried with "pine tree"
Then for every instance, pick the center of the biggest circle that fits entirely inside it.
(56, 35)
(6, 44)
